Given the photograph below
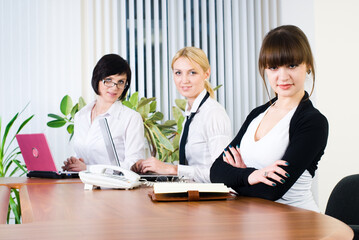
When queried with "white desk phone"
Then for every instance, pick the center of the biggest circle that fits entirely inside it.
(109, 177)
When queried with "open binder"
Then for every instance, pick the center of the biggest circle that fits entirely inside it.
(167, 192)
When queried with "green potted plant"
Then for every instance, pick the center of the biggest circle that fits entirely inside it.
(163, 139)
(68, 110)
(10, 164)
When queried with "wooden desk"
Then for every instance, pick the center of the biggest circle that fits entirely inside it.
(58, 211)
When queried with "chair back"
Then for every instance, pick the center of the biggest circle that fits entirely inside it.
(343, 202)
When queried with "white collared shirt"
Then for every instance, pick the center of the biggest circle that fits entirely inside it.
(127, 131)
(209, 133)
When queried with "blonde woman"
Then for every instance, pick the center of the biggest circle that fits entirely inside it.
(206, 130)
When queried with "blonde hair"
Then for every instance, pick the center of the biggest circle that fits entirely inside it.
(198, 56)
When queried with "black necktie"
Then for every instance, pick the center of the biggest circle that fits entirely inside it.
(182, 149)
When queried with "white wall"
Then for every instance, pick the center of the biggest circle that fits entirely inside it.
(337, 38)
(331, 27)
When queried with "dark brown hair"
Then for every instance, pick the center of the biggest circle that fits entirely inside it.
(111, 64)
(285, 45)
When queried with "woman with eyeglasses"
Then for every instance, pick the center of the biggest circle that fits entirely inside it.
(111, 80)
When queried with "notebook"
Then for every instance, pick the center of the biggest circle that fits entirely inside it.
(38, 158)
(111, 150)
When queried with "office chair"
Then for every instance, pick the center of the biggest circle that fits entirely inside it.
(343, 203)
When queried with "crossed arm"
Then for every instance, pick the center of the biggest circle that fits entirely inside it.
(306, 146)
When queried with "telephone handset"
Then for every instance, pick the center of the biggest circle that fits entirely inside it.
(109, 177)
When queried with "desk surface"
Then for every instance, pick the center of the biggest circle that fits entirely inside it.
(58, 211)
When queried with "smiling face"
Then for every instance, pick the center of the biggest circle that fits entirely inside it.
(189, 78)
(112, 94)
(286, 54)
(287, 80)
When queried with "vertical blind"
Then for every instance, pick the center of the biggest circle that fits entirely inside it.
(229, 31)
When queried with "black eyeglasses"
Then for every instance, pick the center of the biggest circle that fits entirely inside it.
(108, 83)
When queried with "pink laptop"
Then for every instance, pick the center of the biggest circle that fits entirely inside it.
(38, 158)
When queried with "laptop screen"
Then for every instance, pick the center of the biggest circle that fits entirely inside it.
(36, 152)
(110, 145)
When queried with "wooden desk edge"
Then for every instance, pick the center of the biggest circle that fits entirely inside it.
(18, 182)
(340, 235)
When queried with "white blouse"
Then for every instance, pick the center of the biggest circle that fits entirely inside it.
(209, 133)
(270, 148)
(126, 129)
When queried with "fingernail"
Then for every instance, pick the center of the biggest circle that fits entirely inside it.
(225, 149)
(282, 180)
(224, 155)
(273, 184)
(237, 146)
(230, 146)
(287, 174)
(286, 163)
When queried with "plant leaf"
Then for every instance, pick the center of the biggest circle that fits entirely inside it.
(81, 103)
(169, 123)
(134, 100)
(163, 141)
(7, 166)
(12, 155)
(218, 87)
(18, 163)
(70, 128)
(167, 132)
(7, 129)
(157, 116)
(72, 134)
(74, 110)
(23, 124)
(14, 209)
(181, 104)
(144, 111)
(144, 101)
(177, 113)
(56, 123)
(153, 106)
(17, 197)
(18, 130)
(54, 116)
(128, 104)
(176, 140)
(13, 171)
(179, 124)
(151, 140)
(66, 105)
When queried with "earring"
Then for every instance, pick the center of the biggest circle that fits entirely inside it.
(307, 75)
